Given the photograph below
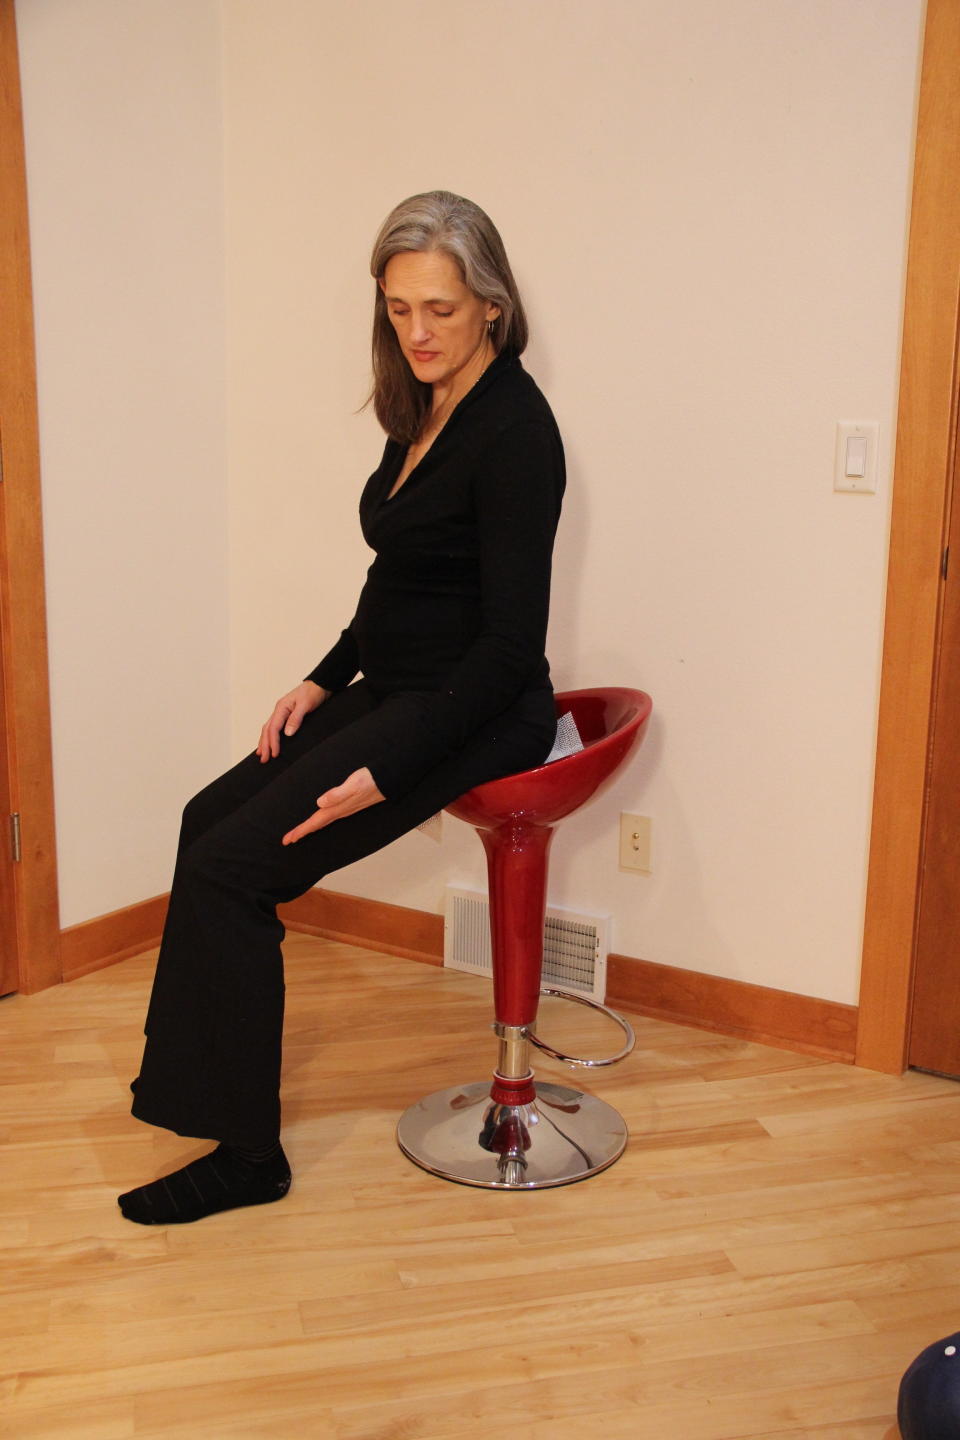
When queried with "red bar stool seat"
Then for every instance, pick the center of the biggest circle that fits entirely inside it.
(516, 1134)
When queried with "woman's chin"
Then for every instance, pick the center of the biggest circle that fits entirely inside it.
(425, 369)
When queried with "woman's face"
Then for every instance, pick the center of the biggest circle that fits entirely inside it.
(440, 324)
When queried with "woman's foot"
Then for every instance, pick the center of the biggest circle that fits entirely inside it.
(226, 1179)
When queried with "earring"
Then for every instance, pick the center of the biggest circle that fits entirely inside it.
(491, 324)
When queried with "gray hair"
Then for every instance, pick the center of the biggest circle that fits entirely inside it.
(437, 220)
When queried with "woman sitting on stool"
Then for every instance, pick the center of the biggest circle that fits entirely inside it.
(448, 637)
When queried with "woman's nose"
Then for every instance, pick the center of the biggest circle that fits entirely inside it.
(419, 329)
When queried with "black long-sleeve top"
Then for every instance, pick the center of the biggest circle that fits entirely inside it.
(452, 618)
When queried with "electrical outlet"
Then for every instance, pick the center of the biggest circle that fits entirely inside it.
(635, 842)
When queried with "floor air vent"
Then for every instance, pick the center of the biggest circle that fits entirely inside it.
(574, 946)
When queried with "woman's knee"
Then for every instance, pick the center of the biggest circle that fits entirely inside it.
(235, 858)
(203, 866)
(193, 820)
(217, 801)
(198, 815)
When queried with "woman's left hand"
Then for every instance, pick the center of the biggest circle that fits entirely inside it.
(357, 792)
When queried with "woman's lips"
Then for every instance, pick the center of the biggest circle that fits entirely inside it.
(424, 355)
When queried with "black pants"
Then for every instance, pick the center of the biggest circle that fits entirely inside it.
(211, 1066)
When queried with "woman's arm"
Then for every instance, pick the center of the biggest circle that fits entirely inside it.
(339, 666)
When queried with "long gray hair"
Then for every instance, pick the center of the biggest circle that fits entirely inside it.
(437, 220)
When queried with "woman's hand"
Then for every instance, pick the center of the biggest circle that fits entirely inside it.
(357, 792)
(287, 716)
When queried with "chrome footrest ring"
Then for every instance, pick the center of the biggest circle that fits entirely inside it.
(626, 1027)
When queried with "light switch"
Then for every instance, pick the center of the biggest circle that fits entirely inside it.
(855, 462)
(856, 466)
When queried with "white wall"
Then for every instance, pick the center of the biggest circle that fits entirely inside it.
(706, 206)
(123, 127)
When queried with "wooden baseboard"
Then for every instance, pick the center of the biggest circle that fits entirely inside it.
(734, 1008)
(662, 992)
(103, 941)
(391, 929)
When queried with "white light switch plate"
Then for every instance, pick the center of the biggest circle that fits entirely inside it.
(851, 458)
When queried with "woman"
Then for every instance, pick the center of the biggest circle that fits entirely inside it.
(455, 690)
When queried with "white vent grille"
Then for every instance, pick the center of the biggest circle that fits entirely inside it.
(575, 947)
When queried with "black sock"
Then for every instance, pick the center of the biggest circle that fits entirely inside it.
(254, 1154)
(223, 1180)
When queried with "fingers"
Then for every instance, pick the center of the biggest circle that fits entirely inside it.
(357, 792)
(269, 746)
(295, 717)
(316, 822)
(288, 716)
(330, 806)
(263, 744)
(280, 719)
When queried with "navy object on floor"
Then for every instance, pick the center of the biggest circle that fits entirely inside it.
(928, 1406)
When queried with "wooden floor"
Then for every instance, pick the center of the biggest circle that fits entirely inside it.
(779, 1241)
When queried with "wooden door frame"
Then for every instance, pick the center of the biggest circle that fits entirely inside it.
(26, 684)
(926, 427)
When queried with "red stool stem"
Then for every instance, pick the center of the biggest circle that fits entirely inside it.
(517, 869)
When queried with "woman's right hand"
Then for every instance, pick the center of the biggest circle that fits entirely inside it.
(287, 716)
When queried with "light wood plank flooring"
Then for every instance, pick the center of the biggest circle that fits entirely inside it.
(779, 1241)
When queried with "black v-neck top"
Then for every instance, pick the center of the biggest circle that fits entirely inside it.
(453, 613)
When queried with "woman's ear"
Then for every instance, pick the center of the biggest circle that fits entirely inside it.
(493, 312)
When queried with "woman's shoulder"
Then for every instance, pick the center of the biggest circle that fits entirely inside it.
(516, 434)
(513, 397)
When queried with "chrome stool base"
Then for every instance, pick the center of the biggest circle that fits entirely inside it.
(461, 1134)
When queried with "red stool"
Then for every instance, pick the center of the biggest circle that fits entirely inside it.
(515, 1135)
